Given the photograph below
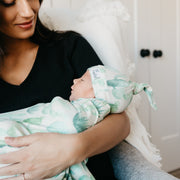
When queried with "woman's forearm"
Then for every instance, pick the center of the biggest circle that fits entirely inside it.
(105, 135)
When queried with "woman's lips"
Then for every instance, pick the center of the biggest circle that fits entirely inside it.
(26, 25)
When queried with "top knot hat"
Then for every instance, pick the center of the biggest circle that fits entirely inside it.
(115, 88)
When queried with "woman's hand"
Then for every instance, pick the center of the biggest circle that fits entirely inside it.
(44, 155)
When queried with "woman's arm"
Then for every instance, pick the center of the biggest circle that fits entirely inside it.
(104, 135)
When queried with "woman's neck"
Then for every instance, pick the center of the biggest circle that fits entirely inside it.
(15, 47)
(18, 60)
(15, 50)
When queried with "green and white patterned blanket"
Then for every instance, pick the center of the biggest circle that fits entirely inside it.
(59, 116)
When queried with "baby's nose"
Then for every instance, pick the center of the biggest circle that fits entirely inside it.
(74, 81)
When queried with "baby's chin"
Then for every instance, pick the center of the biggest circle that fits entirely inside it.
(71, 98)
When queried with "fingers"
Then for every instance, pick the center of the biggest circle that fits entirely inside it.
(12, 169)
(13, 157)
(16, 170)
(21, 140)
(20, 177)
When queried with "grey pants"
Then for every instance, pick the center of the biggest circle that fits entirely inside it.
(129, 164)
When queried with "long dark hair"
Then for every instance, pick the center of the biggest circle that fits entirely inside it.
(41, 35)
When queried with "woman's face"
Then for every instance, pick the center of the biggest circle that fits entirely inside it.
(18, 18)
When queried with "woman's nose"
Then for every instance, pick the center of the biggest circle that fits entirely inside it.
(25, 9)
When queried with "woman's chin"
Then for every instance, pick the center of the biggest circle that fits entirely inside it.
(26, 35)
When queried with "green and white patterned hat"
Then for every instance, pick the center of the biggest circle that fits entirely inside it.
(115, 88)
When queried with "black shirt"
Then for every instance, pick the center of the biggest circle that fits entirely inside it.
(56, 65)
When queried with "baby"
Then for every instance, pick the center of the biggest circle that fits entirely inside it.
(100, 91)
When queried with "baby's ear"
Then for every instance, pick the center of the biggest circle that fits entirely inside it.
(117, 83)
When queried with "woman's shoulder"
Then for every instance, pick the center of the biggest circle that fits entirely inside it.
(67, 37)
(66, 41)
(71, 35)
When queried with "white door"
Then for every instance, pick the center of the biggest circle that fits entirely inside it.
(156, 26)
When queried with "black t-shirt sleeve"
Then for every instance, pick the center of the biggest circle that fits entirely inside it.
(83, 56)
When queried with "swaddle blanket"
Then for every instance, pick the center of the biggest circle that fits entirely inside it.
(59, 116)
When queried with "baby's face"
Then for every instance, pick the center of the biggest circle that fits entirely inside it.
(82, 87)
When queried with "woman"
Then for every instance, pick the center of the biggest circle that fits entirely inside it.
(37, 65)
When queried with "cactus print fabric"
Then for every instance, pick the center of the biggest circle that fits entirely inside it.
(58, 116)
(114, 87)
